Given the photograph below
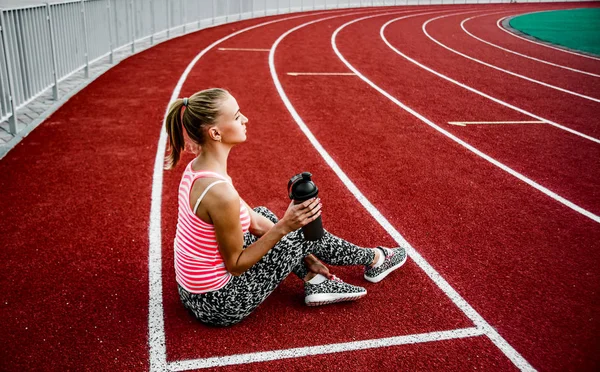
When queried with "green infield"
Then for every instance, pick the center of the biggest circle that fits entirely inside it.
(577, 29)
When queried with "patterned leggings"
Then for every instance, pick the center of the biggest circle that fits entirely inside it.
(238, 298)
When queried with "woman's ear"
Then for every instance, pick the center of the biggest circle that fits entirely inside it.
(214, 134)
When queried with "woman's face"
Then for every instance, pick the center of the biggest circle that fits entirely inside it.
(231, 123)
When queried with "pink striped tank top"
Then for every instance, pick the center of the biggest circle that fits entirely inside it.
(199, 266)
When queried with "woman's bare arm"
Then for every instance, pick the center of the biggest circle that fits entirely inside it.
(223, 206)
(259, 224)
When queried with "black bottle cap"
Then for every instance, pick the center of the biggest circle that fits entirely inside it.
(301, 187)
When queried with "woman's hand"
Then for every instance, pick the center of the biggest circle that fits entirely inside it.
(298, 215)
(317, 267)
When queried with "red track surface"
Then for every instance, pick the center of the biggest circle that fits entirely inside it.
(485, 27)
(547, 154)
(546, 102)
(464, 354)
(448, 32)
(462, 42)
(75, 200)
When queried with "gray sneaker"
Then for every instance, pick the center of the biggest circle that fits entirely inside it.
(394, 258)
(331, 291)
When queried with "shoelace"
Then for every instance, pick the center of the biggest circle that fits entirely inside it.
(390, 255)
(336, 279)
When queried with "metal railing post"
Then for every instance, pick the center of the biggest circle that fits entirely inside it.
(30, 72)
(240, 10)
(53, 53)
(168, 21)
(110, 36)
(132, 23)
(289, 6)
(226, 11)
(253, 6)
(152, 22)
(182, 17)
(214, 11)
(127, 19)
(12, 120)
(199, 15)
(85, 42)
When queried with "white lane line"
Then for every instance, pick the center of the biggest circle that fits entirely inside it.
(460, 302)
(424, 27)
(244, 49)
(481, 93)
(523, 178)
(462, 25)
(465, 123)
(494, 336)
(156, 326)
(321, 74)
(538, 43)
(264, 356)
(479, 321)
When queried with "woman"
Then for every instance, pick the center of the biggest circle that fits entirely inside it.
(229, 257)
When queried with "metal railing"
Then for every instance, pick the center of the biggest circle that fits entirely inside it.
(42, 45)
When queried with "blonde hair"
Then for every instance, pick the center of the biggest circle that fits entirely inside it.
(201, 112)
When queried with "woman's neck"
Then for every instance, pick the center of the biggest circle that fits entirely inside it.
(213, 158)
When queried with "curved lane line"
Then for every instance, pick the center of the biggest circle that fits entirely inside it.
(479, 321)
(462, 25)
(523, 178)
(516, 174)
(424, 27)
(481, 93)
(542, 44)
(286, 353)
(460, 302)
(156, 326)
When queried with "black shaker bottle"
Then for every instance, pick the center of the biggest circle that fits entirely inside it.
(300, 189)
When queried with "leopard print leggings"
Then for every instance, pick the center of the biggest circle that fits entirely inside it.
(242, 294)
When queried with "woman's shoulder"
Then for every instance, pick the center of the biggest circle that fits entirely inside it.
(198, 172)
(221, 190)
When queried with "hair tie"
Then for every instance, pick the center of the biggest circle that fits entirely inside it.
(185, 103)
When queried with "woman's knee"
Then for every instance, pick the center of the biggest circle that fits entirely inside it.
(266, 212)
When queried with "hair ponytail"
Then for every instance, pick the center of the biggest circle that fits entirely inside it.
(201, 111)
(174, 127)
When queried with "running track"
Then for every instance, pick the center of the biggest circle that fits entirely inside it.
(77, 199)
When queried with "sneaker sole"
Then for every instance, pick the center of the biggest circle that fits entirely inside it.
(331, 298)
(382, 276)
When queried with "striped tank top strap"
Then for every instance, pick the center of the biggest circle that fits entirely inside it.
(205, 191)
